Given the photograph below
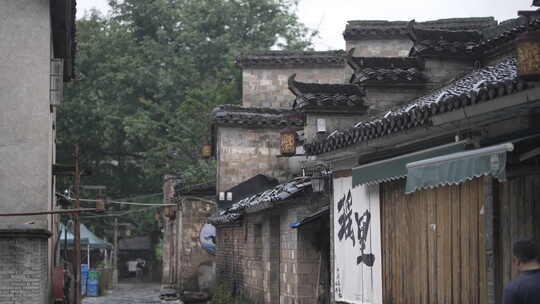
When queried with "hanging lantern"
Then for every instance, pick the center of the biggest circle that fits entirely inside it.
(170, 212)
(528, 55)
(101, 203)
(288, 138)
(206, 151)
(317, 183)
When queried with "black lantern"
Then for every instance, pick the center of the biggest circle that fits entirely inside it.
(528, 55)
(288, 138)
(317, 183)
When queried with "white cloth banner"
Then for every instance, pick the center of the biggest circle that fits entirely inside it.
(357, 243)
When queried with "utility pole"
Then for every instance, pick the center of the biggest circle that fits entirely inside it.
(77, 230)
(115, 257)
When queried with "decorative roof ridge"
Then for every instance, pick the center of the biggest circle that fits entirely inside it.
(450, 43)
(508, 35)
(255, 117)
(384, 69)
(357, 29)
(497, 80)
(300, 88)
(250, 110)
(404, 63)
(418, 34)
(288, 58)
(261, 200)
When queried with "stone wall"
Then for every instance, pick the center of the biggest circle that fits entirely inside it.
(440, 71)
(380, 99)
(26, 137)
(24, 266)
(244, 153)
(192, 256)
(268, 87)
(396, 47)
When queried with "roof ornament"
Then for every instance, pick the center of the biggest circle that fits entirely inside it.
(353, 64)
(410, 30)
(291, 83)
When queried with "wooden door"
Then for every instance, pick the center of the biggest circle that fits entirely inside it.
(432, 243)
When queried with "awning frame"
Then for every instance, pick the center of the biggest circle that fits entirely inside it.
(401, 161)
(455, 168)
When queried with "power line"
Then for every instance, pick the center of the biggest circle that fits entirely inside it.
(126, 203)
(121, 214)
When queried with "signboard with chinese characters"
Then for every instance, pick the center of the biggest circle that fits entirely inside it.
(357, 243)
(528, 55)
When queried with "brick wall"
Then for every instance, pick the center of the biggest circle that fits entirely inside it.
(23, 266)
(268, 87)
(263, 258)
(192, 254)
(398, 47)
(244, 153)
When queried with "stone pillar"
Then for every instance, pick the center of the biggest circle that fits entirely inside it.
(24, 265)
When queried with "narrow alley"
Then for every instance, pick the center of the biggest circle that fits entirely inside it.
(129, 293)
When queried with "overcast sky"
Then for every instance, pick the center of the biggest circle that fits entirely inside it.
(330, 16)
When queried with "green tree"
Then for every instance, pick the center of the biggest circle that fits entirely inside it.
(149, 75)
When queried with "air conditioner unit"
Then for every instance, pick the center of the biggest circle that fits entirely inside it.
(57, 81)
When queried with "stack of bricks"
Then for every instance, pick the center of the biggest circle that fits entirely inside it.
(23, 265)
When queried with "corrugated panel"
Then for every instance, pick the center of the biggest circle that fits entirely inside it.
(395, 168)
(453, 169)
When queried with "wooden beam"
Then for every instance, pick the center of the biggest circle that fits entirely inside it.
(516, 171)
(530, 154)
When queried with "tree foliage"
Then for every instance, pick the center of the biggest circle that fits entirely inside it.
(150, 72)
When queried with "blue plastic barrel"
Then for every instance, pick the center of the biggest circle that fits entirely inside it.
(92, 287)
(84, 278)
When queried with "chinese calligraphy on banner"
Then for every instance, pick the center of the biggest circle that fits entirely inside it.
(357, 243)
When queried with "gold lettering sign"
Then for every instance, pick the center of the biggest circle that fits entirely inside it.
(528, 55)
(288, 143)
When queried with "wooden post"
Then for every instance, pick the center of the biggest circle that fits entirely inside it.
(115, 257)
(77, 230)
(489, 239)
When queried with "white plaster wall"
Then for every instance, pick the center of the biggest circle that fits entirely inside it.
(25, 118)
(398, 47)
(268, 87)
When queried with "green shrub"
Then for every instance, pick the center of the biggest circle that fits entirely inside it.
(223, 295)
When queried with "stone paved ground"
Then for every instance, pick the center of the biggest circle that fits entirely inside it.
(129, 293)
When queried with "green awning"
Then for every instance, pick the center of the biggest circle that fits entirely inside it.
(396, 167)
(456, 168)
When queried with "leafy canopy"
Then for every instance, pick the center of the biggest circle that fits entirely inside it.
(150, 72)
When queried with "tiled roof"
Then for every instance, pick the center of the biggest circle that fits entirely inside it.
(442, 41)
(505, 33)
(476, 87)
(255, 117)
(385, 69)
(290, 58)
(398, 29)
(470, 43)
(332, 97)
(261, 200)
